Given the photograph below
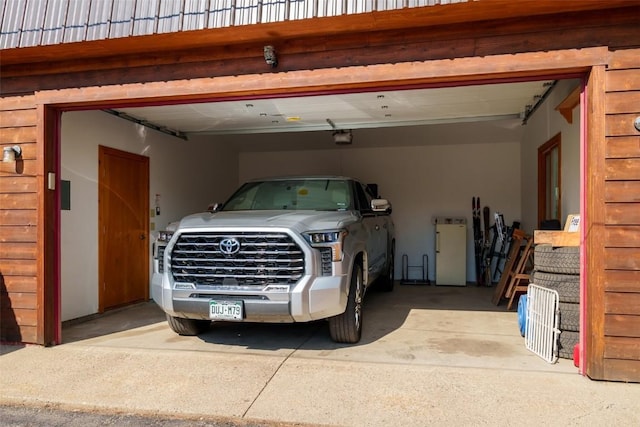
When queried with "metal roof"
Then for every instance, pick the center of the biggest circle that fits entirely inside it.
(27, 23)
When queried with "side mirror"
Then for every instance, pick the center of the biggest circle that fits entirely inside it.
(380, 205)
(214, 207)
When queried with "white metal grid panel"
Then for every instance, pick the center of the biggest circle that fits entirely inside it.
(541, 330)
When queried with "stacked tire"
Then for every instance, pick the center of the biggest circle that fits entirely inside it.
(558, 268)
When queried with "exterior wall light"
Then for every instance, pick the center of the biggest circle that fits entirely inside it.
(11, 154)
(270, 56)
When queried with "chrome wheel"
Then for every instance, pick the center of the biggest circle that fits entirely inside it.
(357, 310)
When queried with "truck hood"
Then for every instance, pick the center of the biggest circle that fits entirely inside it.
(300, 221)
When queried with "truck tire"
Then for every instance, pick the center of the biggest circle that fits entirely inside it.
(347, 327)
(187, 327)
(567, 285)
(386, 282)
(561, 260)
(569, 317)
(566, 342)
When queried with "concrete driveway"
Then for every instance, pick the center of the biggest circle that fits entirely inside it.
(428, 356)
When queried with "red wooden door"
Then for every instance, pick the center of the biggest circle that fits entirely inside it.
(123, 228)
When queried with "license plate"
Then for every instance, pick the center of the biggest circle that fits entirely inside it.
(225, 310)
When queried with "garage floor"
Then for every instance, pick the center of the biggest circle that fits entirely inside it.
(430, 325)
(429, 356)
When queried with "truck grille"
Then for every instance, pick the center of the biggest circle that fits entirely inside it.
(262, 259)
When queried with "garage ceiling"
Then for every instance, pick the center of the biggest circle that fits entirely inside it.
(505, 101)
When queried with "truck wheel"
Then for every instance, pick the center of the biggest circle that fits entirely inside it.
(347, 327)
(386, 282)
(187, 327)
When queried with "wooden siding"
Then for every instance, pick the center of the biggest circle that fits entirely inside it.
(620, 273)
(19, 223)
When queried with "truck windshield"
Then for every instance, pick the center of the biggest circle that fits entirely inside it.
(292, 194)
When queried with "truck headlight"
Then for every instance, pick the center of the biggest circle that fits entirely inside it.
(329, 238)
(165, 236)
(159, 246)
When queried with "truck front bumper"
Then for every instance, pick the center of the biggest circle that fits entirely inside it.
(312, 298)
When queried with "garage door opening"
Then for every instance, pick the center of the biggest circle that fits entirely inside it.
(426, 158)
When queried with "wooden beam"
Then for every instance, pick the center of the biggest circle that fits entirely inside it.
(48, 129)
(556, 238)
(593, 224)
(569, 103)
(458, 71)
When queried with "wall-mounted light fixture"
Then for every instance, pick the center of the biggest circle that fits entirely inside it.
(11, 154)
(270, 56)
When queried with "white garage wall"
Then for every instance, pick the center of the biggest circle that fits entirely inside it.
(543, 125)
(188, 175)
(436, 179)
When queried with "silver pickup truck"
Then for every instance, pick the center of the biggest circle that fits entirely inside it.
(294, 249)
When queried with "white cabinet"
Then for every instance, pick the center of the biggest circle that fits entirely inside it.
(451, 252)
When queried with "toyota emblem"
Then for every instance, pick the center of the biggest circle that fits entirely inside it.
(229, 246)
